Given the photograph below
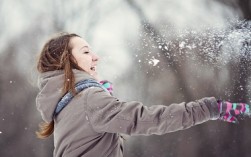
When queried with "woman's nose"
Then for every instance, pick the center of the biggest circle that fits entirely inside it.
(95, 57)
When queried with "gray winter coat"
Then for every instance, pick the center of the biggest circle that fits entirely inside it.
(90, 125)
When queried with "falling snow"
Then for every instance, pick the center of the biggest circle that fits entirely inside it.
(182, 44)
(218, 47)
(209, 47)
(154, 61)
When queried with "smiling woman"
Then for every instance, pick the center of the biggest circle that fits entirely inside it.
(88, 121)
(84, 57)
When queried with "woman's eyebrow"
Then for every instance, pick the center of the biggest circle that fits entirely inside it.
(83, 47)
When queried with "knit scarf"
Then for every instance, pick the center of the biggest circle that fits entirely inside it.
(80, 86)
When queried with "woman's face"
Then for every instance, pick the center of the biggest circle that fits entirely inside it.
(85, 58)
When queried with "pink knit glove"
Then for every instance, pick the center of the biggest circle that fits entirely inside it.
(107, 85)
(230, 112)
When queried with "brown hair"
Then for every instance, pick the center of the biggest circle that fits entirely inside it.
(56, 55)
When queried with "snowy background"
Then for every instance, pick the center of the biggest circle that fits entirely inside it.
(154, 51)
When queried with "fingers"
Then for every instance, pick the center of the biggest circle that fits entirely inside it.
(240, 109)
(234, 120)
(230, 118)
(247, 111)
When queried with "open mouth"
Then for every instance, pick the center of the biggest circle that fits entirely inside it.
(93, 68)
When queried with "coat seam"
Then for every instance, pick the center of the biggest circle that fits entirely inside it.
(156, 121)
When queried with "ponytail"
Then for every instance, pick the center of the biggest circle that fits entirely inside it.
(45, 130)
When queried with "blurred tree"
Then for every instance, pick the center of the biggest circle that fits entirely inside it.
(243, 5)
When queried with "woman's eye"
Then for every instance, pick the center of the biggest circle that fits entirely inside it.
(86, 52)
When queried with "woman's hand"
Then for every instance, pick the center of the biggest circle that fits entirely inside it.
(107, 85)
(230, 112)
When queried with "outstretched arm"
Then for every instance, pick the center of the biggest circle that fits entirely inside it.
(108, 114)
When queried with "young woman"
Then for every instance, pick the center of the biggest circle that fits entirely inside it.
(87, 120)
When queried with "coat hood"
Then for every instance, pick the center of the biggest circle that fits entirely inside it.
(51, 86)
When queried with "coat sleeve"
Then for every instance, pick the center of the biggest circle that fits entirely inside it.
(108, 114)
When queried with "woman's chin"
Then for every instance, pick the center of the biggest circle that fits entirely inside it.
(95, 75)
